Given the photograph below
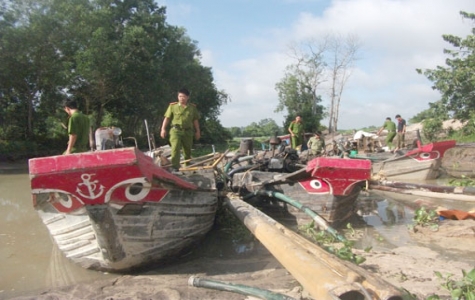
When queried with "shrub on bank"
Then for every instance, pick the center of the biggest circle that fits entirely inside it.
(18, 150)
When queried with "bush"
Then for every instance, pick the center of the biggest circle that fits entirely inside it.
(432, 128)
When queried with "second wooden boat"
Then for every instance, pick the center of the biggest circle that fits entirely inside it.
(327, 186)
(422, 163)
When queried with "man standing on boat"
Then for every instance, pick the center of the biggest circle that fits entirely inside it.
(316, 145)
(296, 132)
(78, 128)
(184, 118)
(390, 126)
(401, 132)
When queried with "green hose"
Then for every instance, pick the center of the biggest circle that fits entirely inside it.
(318, 219)
(236, 160)
(237, 288)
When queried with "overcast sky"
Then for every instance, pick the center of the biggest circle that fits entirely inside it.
(245, 42)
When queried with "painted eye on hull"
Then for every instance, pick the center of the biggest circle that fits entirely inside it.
(63, 201)
(134, 190)
(315, 186)
(137, 191)
(428, 155)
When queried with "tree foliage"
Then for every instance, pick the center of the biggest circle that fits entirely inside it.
(116, 57)
(297, 91)
(316, 62)
(456, 80)
(265, 127)
(435, 111)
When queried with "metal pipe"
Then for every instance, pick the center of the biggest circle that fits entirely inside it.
(237, 288)
(148, 136)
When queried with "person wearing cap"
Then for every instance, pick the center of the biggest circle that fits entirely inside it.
(390, 126)
(296, 131)
(183, 117)
(401, 132)
(316, 145)
(78, 128)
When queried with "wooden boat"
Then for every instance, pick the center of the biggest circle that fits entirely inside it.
(328, 186)
(429, 195)
(115, 210)
(421, 163)
(459, 162)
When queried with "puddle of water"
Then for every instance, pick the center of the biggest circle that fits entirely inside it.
(386, 224)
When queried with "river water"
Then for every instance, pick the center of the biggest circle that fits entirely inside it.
(27, 256)
(30, 263)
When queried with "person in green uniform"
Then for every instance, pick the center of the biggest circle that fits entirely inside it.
(390, 126)
(316, 145)
(78, 128)
(183, 117)
(296, 132)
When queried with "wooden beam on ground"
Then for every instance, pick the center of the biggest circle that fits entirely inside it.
(323, 275)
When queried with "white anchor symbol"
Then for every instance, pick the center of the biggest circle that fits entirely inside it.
(91, 187)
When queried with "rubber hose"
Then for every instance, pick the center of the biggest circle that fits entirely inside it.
(240, 169)
(317, 218)
(236, 159)
(237, 288)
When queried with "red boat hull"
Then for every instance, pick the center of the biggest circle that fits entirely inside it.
(115, 210)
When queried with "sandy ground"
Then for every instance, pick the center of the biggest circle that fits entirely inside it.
(409, 267)
(413, 267)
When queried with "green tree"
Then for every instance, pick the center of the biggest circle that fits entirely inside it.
(436, 110)
(213, 132)
(330, 60)
(30, 65)
(269, 127)
(432, 128)
(252, 130)
(297, 91)
(116, 57)
(456, 80)
(264, 128)
(299, 98)
(236, 131)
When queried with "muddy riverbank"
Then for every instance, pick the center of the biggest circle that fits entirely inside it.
(408, 267)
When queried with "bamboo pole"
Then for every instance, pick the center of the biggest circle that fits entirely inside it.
(198, 166)
(196, 158)
(322, 278)
(425, 187)
(421, 193)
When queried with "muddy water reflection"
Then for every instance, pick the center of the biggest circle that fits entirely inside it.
(29, 261)
(388, 221)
